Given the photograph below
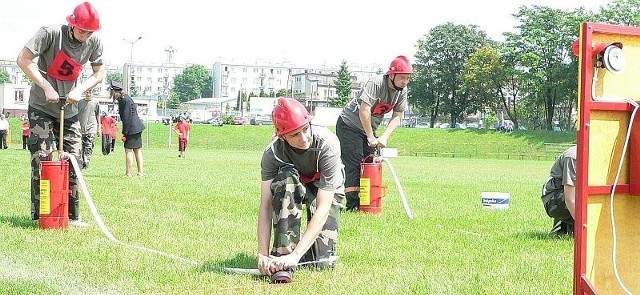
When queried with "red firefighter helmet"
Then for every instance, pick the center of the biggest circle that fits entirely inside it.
(400, 65)
(288, 115)
(85, 17)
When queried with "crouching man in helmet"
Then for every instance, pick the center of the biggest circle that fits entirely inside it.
(361, 117)
(300, 166)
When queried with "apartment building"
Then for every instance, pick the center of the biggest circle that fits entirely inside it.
(261, 79)
(229, 79)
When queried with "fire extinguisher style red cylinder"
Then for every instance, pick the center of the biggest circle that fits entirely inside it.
(371, 188)
(54, 194)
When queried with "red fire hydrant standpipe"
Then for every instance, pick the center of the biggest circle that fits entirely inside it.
(371, 188)
(54, 186)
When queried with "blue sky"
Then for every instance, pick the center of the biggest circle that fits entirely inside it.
(305, 33)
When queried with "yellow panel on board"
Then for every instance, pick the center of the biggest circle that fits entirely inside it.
(607, 136)
(600, 250)
(608, 133)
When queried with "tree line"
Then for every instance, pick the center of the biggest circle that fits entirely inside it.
(529, 78)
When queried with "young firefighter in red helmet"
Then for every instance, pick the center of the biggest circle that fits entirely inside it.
(53, 59)
(301, 166)
(361, 117)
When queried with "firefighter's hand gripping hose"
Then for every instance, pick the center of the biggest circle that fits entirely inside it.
(101, 224)
(404, 198)
(256, 272)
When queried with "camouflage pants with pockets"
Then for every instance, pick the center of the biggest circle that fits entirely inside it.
(289, 194)
(44, 129)
(556, 207)
(88, 141)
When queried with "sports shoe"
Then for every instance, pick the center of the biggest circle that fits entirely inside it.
(282, 277)
(78, 223)
(561, 228)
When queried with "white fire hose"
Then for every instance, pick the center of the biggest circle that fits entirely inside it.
(98, 218)
(105, 230)
(404, 198)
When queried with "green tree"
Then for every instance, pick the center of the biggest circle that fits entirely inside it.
(194, 82)
(492, 78)
(114, 76)
(343, 86)
(620, 12)
(173, 103)
(542, 52)
(4, 76)
(441, 55)
(283, 93)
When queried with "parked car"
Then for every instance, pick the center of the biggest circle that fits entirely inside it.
(239, 121)
(215, 121)
(261, 120)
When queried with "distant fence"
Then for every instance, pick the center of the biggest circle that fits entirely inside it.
(540, 152)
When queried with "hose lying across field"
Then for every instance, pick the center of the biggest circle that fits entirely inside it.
(101, 224)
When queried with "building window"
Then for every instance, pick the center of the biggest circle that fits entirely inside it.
(19, 95)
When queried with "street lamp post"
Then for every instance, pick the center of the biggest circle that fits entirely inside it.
(130, 71)
(132, 43)
(128, 82)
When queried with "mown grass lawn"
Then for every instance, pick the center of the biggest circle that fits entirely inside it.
(203, 208)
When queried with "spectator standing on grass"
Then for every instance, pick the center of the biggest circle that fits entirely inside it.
(25, 132)
(4, 131)
(53, 59)
(301, 166)
(89, 116)
(132, 128)
(114, 133)
(183, 129)
(559, 192)
(361, 117)
(106, 131)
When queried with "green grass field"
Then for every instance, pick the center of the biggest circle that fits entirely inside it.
(204, 208)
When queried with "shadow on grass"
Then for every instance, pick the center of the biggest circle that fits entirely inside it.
(542, 235)
(19, 221)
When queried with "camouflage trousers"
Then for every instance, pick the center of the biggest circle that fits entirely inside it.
(44, 129)
(88, 140)
(556, 207)
(289, 194)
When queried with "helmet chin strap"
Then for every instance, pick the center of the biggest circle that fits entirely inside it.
(393, 82)
(74, 40)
